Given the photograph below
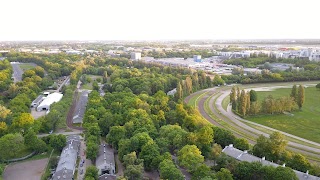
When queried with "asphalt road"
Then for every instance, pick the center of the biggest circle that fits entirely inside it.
(238, 123)
(17, 72)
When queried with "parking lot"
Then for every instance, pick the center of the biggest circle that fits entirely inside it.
(31, 170)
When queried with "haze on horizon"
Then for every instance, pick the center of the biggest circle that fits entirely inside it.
(158, 19)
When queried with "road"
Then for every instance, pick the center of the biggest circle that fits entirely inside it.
(17, 72)
(63, 133)
(239, 128)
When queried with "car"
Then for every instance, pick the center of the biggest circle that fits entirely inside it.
(83, 161)
(81, 164)
(81, 172)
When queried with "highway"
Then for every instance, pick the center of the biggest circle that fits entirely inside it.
(213, 97)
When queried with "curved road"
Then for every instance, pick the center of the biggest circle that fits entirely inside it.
(214, 98)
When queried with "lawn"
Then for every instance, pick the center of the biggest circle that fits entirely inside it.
(304, 123)
(26, 66)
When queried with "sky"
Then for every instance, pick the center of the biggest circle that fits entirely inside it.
(158, 19)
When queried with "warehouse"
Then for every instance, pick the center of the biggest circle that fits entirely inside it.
(50, 99)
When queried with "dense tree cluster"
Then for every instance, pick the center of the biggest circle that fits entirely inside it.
(245, 103)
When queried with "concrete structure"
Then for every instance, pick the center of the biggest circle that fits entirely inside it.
(80, 107)
(105, 160)
(136, 56)
(245, 156)
(68, 159)
(50, 99)
(35, 103)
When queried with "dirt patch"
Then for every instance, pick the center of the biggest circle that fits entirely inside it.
(31, 170)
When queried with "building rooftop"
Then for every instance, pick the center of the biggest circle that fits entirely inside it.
(50, 99)
(245, 156)
(105, 160)
(81, 107)
(68, 158)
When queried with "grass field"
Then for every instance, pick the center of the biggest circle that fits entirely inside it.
(304, 123)
(88, 86)
(25, 67)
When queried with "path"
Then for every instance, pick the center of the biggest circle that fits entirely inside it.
(31, 170)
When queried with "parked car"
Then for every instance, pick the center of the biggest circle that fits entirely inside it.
(81, 172)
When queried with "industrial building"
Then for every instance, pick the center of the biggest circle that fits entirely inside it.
(68, 159)
(136, 56)
(245, 156)
(80, 107)
(50, 99)
(105, 161)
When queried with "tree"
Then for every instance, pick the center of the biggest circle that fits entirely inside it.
(150, 154)
(115, 134)
(23, 122)
(294, 93)
(57, 141)
(4, 112)
(11, 144)
(253, 96)
(217, 81)
(3, 128)
(202, 172)
(204, 136)
(92, 172)
(299, 162)
(179, 94)
(241, 144)
(277, 144)
(224, 174)
(284, 173)
(215, 151)
(34, 143)
(223, 137)
(134, 172)
(243, 103)
(131, 159)
(92, 150)
(262, 147)
(190, 157)
(169, 171)
(233, 98)
(300, 96)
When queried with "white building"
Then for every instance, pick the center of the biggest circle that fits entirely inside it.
(50, 99)
(136, 56)
(37, 101)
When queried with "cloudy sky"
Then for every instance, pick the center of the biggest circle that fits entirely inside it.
(158, 19)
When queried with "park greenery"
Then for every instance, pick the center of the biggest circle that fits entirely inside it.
(150, 130)
(245, 103)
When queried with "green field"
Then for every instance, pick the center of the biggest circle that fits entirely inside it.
(88, 86)
(25, 67)
(304, 123)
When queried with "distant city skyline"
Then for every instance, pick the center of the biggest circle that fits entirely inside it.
(38, 20)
